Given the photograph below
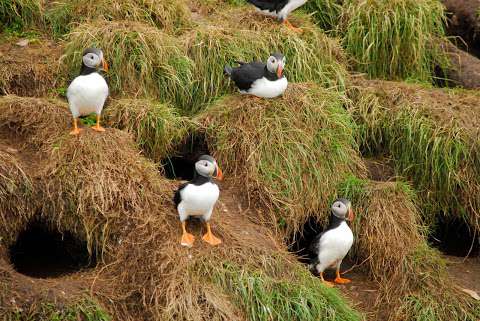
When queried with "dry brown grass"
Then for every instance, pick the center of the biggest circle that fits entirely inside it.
(99, 187)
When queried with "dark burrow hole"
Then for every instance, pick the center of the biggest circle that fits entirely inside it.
(454, 237)
(181, 165)
(42, 252)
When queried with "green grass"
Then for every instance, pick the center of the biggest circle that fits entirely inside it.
(311, 57)
(293, 151)
(440, 158)
(157, 128)
(394, 39)
(170, 16)
(265, 298)
(16, 15)
(144, 61)
(326, 13)
(85, 310)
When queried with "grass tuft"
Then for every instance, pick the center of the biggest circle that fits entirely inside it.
(289, 152)
(16, 15)
(394, 39)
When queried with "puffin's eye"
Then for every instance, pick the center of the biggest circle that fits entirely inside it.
(206, 164)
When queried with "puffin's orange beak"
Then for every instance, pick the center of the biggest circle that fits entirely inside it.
(351, 216)
(104, 65)
(280, 71)
(219, 174)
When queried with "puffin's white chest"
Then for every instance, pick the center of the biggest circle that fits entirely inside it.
(335, 244)
(87, 94)
(198, 200)
(268, 89)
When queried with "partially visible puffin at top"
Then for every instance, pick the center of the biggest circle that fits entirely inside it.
(198, 197)
(260, 79)
(279, 9)
(331, 246)
(88, 91)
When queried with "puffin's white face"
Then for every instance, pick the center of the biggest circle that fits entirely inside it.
(93, 58)
(343, 209)
(208, 167)
(276, 64)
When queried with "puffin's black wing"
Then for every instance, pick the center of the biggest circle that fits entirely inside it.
(270, 5)
(246, 74)
(177, 198)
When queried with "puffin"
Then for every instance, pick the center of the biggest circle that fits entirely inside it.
(331, 246)
(87, 93)
(279, 9)
(260, 79)
(198, 197)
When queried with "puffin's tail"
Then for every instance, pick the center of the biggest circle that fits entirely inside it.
(227, 70)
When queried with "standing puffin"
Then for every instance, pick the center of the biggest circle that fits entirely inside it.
(259, 79)
(279, 9)
(88, 91)
(198, 197)
(331, 246)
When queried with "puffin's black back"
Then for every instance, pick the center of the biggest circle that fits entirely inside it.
(246, 74)
(270, 5)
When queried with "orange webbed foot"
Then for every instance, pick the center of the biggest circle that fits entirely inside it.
(211, 239)
(98, 128)
(75, 131)
(340, 280)
(187, 239)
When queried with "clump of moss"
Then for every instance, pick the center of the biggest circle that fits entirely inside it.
(394, 39)
(289, 152)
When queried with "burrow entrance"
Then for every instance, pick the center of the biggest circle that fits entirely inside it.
(181, 164)
(454, 237)
(43, 252)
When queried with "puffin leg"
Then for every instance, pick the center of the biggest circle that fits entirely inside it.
(75, 130)
(187, 238)
(339, 279)
(97, 126)
(327, 283)
(210, 238)
(290, 26)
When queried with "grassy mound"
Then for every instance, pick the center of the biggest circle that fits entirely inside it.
(99, 188)
(143, 60)
(29, 71)
(237, 34)
(390, 237)
(394, 39)
(431, 134)
(290, 153)
(170, 16)
(156, 127)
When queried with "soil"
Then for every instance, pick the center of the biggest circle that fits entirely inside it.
(464, 70)
(380, 169)
(465, 271)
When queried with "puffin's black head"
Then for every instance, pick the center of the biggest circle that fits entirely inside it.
(93, 58)
(342, 208)
(207, 166)
(276, 63)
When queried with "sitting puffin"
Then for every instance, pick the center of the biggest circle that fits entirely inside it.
(88, 91)
(279, 9)
(259, 79)
(198, 197)
(331, 246)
